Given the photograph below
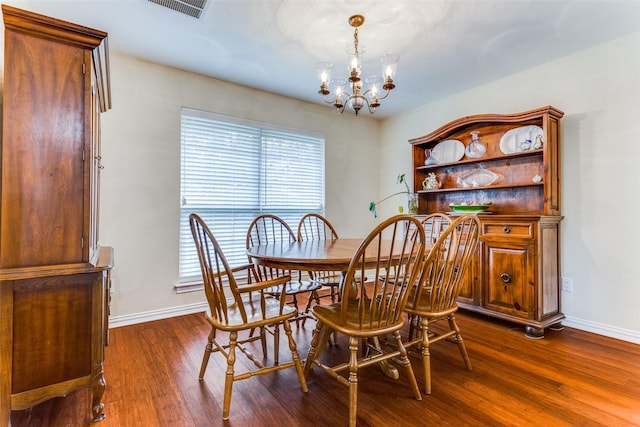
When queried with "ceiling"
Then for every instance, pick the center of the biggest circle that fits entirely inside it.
(445, 46)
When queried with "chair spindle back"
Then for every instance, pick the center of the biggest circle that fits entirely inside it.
(392, 257)
(216, 272)
(267, 229)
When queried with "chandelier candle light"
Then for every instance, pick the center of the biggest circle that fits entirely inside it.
(357, 98)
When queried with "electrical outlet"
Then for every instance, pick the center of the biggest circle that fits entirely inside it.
(567, 284)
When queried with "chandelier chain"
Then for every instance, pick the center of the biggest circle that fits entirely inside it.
(355, 41)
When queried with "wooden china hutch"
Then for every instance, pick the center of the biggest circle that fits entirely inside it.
(54, 276)
(516, 172)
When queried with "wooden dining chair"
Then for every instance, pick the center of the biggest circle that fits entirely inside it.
(313, 226)
(372, 308)
(265, 229)
(434, 224)
(435, 298)
(236, 310)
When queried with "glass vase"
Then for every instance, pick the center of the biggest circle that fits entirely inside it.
(475, 149)
(412, 203)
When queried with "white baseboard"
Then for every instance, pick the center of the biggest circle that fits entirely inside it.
(165, 313)
(602, 329)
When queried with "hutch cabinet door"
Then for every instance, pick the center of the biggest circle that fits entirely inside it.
(510, 278)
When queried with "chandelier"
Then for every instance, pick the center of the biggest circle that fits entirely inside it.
(358, 96)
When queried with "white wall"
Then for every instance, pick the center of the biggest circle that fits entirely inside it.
(140, 185)
(599, 91)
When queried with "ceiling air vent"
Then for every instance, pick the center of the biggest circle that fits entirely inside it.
(193, 8)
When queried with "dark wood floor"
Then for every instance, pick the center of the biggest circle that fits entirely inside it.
(569, 378)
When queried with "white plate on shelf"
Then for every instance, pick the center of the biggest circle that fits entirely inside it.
(511, 141)
(477, 178)
(448, 151)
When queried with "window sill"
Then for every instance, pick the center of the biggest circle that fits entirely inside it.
(182, 288)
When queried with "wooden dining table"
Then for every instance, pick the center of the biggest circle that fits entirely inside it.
(313, 255)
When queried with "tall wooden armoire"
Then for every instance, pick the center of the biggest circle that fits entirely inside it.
(54, 277)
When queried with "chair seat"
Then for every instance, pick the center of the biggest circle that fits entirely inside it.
(254, 312)
(336, 279)
(422, 305)
(330, 315)
(295, 287)
(330, 280)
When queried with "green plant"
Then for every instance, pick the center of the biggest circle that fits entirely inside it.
(400, 180)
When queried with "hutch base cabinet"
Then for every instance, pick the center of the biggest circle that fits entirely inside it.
(519, 277)
(54, 277)
(505, 168)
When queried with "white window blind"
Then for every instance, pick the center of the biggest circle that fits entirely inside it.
(233, 170)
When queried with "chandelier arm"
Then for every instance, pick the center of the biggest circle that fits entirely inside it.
(328, 101)
(388, 91)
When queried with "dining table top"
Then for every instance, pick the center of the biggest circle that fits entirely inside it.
(313, 255)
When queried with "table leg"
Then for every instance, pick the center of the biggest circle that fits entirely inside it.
(387, 368)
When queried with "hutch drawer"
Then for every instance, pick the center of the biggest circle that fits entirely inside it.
(508, 229)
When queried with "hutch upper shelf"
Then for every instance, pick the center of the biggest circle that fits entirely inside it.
(524, 181)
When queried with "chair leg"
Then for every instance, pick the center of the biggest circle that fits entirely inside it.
(295, 356)
(458, 337)
(413, 319)
(299, 316)
(353, 381)
(228, 381)
(263, 340)
(313, 296)
(404, 361)
(307, 307)
(335, 294)
(426, 355)
(207, 353)
(276, 344)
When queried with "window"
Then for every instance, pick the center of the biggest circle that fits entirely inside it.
(233, 170)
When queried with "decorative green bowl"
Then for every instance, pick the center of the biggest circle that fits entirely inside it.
(469, 208)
